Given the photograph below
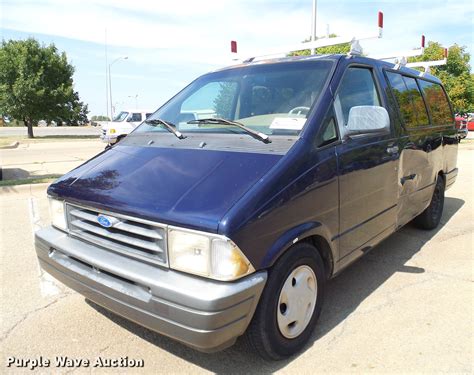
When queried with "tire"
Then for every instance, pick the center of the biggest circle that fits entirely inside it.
(431, 216)
(268, 335)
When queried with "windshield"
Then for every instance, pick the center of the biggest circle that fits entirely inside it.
(120, 117)
(269, 98)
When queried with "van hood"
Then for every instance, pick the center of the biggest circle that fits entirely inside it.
(186, 187)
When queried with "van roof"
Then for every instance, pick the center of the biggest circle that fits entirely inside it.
(335, 57)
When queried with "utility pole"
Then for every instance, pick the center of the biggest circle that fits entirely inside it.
(110, 84)
(106, 76)
(313, 26)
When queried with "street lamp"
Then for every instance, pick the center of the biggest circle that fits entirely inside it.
(110, 83)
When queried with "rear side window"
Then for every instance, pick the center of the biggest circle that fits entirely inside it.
(357, 88)
(409, 99)
(437, 103)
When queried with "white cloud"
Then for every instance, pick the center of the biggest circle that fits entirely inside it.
(172, 41)
(210, 25)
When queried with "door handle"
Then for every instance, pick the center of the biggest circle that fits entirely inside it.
(392, 150)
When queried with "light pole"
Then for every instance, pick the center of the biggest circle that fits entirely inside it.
(110, 84)
(313, 26)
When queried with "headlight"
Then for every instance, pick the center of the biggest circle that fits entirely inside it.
(111, 131)
(206, 255)
(58, 217)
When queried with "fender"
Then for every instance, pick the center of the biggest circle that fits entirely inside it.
(294, 235)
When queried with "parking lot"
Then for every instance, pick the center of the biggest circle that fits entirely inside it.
(407, 306)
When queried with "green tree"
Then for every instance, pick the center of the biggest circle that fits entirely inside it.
(36, 84)
(224, 99)
(328, 50)
(455, 75)
(100, 118)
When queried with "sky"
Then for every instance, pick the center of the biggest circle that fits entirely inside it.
(170, 43)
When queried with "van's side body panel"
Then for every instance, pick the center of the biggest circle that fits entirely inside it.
(425, 152)
(367, 179)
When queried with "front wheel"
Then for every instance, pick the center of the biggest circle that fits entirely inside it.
(290, 304)
(430, 218)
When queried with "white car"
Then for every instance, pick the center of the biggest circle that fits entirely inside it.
(122, 124)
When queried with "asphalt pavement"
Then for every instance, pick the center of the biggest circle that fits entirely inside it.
(38, 159)
(405, 307)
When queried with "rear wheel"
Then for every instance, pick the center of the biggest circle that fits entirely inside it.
(430, 218)
(290, 304)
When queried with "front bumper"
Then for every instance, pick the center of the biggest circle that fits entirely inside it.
(107, 138)
(204, 314)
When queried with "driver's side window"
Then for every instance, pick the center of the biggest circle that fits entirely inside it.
(357, 88)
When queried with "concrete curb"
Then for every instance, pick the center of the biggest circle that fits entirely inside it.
(10, 146)
(26, 188)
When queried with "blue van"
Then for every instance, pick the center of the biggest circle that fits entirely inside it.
(208, 227)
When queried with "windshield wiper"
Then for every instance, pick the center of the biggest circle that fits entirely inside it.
(222, 121)
(168, 126)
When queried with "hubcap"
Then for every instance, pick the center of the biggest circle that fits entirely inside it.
(297, 301)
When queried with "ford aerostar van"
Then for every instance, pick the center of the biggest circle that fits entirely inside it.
(208, 228)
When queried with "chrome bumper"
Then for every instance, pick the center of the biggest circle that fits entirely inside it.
(204, 314)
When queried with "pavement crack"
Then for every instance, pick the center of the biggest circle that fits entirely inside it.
(30, 313)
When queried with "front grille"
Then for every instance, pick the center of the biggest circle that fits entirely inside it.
(135, 238)
(104, 132)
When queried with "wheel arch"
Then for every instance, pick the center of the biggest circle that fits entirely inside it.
(314, 233)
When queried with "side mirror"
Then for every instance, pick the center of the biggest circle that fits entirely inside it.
(366, 119)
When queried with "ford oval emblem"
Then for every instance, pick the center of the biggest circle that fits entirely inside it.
(104, 221)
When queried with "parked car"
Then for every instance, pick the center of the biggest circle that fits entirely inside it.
(470, 121)
(232, 224)
(461, 126)
(122, 124)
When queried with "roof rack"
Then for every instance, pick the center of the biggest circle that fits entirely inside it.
(323, 42)
(401, 58)
(400, 55)
(402, 62)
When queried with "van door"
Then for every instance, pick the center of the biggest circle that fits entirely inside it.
(367, 167)
(416, 172)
